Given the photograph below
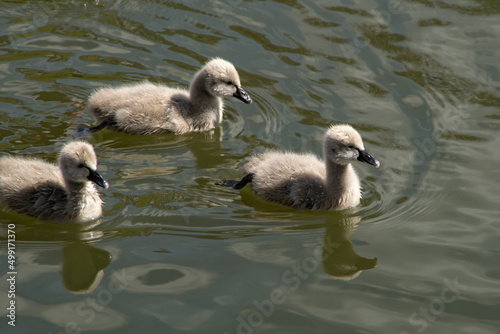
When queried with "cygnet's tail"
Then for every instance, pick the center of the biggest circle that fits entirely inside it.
(237, 184)
(81, 130)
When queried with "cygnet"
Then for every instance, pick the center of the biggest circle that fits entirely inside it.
(64, 193)
(303, 181)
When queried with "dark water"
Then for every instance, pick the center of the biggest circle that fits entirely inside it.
(174, 252)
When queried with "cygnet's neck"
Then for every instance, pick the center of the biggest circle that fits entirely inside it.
(84, 203)
(203, 102)
(342, 184)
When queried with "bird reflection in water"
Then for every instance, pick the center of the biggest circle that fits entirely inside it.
(339, 258)
(82, 268)
(82, 263)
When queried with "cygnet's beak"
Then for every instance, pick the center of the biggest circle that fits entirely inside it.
(242, 95)
(367, 157)
(95, 177)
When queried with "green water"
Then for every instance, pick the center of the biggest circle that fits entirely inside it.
(173, 252)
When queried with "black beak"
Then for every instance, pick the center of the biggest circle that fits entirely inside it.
(95, 177)
(242, 95)
(368, 158)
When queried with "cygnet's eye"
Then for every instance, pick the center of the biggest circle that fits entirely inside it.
(81, 166)
(230, 83)
(350, 146)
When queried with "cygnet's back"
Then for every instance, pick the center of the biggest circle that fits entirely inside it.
(290, 179)
(64, 193)
(303, 181)
(148, 108)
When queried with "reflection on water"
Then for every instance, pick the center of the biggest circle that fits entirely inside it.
(339, 257)
(81, 264)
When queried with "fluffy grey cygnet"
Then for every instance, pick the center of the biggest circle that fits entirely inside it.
(303, 181)
(148, 108)
(64, 193)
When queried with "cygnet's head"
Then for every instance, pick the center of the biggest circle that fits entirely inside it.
(222, 79)
(78, 163)
(344, 145)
